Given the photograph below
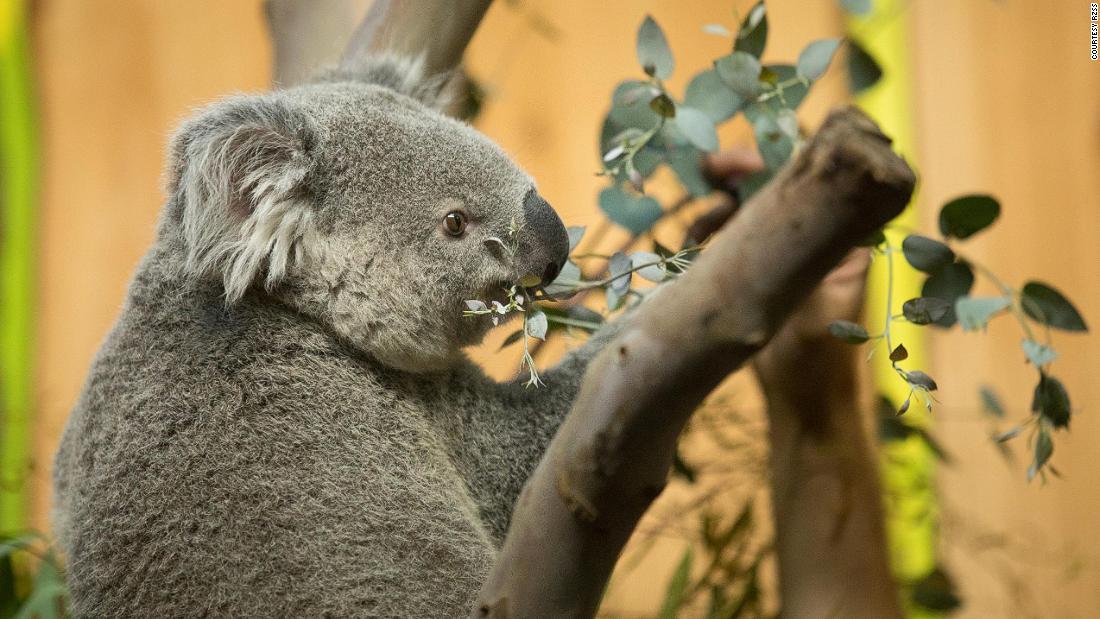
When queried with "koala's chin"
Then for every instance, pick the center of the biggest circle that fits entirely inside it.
(408, 342)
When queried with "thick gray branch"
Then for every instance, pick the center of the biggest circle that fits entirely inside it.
(309, 34)
(610, 459)
(439, 30)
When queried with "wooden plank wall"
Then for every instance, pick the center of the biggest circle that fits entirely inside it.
(1006, 103)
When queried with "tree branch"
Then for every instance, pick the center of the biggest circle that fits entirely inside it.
(610, 459)
(308, 34)
(438, 30)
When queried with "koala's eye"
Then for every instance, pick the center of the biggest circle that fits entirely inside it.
(455, 223)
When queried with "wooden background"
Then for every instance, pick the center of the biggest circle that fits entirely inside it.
(1006, 102)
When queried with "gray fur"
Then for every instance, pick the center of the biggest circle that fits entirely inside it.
(282, 422)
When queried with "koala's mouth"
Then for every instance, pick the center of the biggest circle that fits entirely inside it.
(498, 291)
(502, 292)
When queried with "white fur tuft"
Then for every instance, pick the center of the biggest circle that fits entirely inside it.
(244, 208)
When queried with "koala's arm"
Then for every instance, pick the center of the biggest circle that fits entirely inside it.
(555, 398)
(505, 434)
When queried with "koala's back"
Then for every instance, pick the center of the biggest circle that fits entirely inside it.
(239, 462)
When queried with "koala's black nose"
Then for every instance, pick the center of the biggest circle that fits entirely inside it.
(548, 237)
(550, 273)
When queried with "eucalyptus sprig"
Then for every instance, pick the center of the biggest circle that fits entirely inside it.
(540, 316)
(649, 126)
(946, 300)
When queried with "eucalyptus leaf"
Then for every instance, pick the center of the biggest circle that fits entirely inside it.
(753, 183)
(629, 118)
(669, 136)
(953, 281)
(10, 601)
(629, 136)
(630, 104)
(1008, 435)
(926, 254)
(1038, 354)
(1047, 306)
(663, 105)
(934, 445)
(717, 30)
(849, 332)
(566, 282)
(752, 37)
(1044, 449)
(900, 353)
(474, 305)
(576, 233)
(613, 298)
(580, 312)
(925, 310)
(708, 93)
(991, 403)
(964, 216)
(676, 592)
(876, 238)
(47, 594)
(918, 378)
(863, 70)
(536, 324)
(687, 163)
(654, 272)
(856, 7)
(975, 312)
(890, 427)
(636, 214)
(787, 121)
(654, 53)
(793, 94)
(815, 58)
(698, 128)
(936, 592)
(741, 72)
(9, 545)
(772, 141)
(512, 338)
(645, 162)
(619, 268)
(1051, 400)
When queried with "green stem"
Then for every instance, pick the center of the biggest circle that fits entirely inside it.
(528, 360)
(889, 300)
(780, 87)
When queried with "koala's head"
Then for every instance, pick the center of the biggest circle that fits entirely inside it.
(356, 202)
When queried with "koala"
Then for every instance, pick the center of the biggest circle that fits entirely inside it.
(282, 421)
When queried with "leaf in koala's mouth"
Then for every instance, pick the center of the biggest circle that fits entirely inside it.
(530, 281)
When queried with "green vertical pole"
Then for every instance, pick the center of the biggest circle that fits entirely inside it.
(18, 156)
(908, 467)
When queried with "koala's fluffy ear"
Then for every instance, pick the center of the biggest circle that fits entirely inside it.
(240, 174)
